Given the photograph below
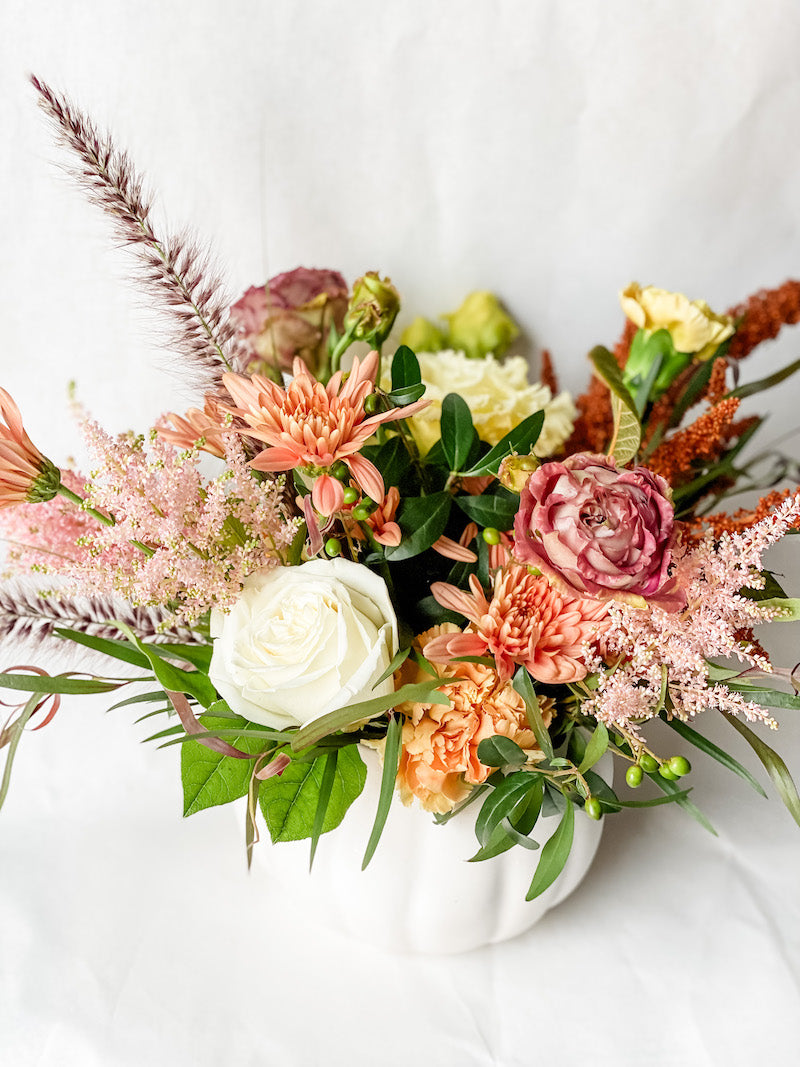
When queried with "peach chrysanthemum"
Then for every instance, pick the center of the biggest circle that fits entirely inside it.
(25, 474)
(204, 429)
(440, 765)
(527, 622)
(312, 426)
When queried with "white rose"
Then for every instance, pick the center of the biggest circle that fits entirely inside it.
(303, 641)
(499, 397)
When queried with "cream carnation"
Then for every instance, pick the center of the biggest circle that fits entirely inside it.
(499, 397)
(304, 641)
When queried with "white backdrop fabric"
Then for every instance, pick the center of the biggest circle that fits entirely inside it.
(551, 151)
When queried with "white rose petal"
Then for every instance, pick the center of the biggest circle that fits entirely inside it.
(303, 641)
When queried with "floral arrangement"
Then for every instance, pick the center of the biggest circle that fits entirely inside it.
(408, 546)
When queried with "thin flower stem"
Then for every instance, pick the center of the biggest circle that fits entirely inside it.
(107, 520)
(15, 730)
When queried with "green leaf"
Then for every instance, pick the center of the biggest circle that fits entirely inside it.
(289, 801)
(710, 749)
(767, 698)
(495, 509)
(391, 459)
(554, 855)
(656, 802)
(323, 800)
(209, 778)
(422, 520)
(140, 698)
(107, 646)
(766, 383)
(789, 606)
(500, 751)
(59, 683)
(598, 743)
(697, 383)
(393, 750)
(500, 802)
(342, 718)
(174, 679)
(601, 790)
(774, 765)
(627, 428)
(520, 440)
(672, 789)
(198, 655)
(458, 433)
(772, 588)
(405, 368)
(524, 686)
(515, 827)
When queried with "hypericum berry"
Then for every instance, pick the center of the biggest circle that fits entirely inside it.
(362, 512)
(332, 547)
(634, 776)
(491, 536)
(679, 765)
(371, 403)
(648, 763)
(339, 470)
(350, 494)
(592, 808)
(665, 772)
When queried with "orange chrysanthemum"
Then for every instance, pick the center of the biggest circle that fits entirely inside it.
(439, 763)
(527, 622)
(312, 426)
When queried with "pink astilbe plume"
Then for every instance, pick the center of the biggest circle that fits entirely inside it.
(311, 426)
(174, 269)
(49, 536)
(177, 539)
(527, 622)
(646, 643)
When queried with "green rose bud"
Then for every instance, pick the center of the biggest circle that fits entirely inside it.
(373, 307)
(515, 471)
(481, 326)
(423, 336)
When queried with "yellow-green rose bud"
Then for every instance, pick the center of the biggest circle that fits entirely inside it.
(481, 326)
(516, 470)
(423, 336)
(373, 307)
(694, 328)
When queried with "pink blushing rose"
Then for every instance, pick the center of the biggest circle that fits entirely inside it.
(598, 531)
(291, 316)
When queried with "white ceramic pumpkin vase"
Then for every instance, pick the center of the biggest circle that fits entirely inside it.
(418, 894)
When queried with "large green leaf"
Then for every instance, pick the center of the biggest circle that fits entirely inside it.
(195, 683)
(210, 778)
(495, 509)
(554, 854)
(422, 520)
(520, 440)
(774, 765)
(457, 432)
(289, 801)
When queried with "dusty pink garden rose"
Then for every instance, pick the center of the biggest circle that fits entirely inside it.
(291, 316)
(598, 531)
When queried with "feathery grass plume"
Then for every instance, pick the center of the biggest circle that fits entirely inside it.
(174, 269)
(30, 617)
